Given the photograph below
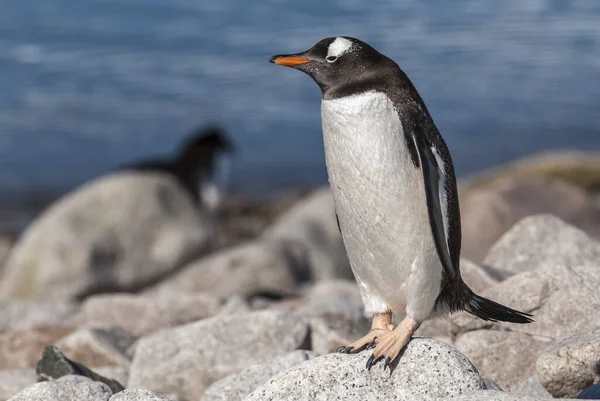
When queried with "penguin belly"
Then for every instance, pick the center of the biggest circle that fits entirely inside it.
(380, 200)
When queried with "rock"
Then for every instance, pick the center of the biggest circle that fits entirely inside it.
(118, 374)
(22, 348)
(506, 357)
(312, 222)
(27, 314)
(490, 384)
(570, 365)
(183, 361)
(477, 277)
(99, 346)
(509, 200)
(67, 388)
(139, 394)
(142, 314)
(540, 241)
(13, 381)
(590, 393)
(532, 388)
(492, 395)
(483, 208)
(562, 297)
(336, 314)
(333, 297)
(5, 245)
(234, 305)
(427, 370)
(242, 270)
(118, 233)
(55, 365)
(237, 386)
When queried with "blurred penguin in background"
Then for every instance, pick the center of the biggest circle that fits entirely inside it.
(201, 165)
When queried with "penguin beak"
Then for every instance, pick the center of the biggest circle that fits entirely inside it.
(289, 60)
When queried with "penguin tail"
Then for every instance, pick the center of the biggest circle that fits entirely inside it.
(492, 311)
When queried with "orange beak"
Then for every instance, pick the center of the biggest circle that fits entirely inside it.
(289, 61)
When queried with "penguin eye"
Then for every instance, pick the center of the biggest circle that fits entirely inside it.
(331, 59)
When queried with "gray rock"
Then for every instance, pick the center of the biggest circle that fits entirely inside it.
(118, 374)
(67, 388)
(27, 314)
(570, 365)
(542, 241)
(492, 395)
(234, 305)
(312, 223)
(499, 207)
(21, 349)
(183, 361)
(5, 245)
(561, 297)
(333, 297)
(13, 381)
(120, 232)
(139, 394)
(55, 365)
(142, 314)
(98, 346)
(491, 385)
(241, 270)
(237, 386)
(336, 314)
(478, 277)
(427, 370)
(532, 388)
(506, 357)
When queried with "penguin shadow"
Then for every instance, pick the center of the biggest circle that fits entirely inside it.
(194, 165)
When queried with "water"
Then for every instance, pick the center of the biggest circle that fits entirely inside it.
(88, 85)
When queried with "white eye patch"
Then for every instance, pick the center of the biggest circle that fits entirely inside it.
(338, 47)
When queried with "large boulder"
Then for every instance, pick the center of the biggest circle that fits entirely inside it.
(19, 314)
(67, 388)
(21, 349)
(571, 365)
(312, 222)
(139, 394)
(505, 356)
(183, 361)
(13, 381)
(142, 314)
(98, 346)
(540, 241)
(237, 386)
(246, 269)
(499, 207)
(120, 232)
(428, 369)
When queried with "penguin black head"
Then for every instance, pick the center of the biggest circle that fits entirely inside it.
(339, 62)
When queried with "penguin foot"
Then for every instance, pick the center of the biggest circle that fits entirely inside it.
(380, 326)
(367, 342)
(390, 344)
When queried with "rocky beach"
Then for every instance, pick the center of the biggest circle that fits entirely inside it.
(126, 289)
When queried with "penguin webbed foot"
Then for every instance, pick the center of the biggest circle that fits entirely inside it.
(367, 342)
(390, 346)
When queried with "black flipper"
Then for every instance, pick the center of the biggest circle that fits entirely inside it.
(431, 178)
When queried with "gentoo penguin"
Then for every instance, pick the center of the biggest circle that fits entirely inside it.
(195, 164)
(395, 194)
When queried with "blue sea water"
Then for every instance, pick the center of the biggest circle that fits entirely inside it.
(88, 85)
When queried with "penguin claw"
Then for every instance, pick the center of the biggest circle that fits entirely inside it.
(388, 360)
(370, 362)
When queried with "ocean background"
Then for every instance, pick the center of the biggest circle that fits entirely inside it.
(88, 85)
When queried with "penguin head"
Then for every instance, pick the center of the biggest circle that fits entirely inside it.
(336, 62)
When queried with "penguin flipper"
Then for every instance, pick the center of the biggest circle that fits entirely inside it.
(431, 177)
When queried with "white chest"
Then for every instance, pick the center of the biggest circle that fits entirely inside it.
(378, 192)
